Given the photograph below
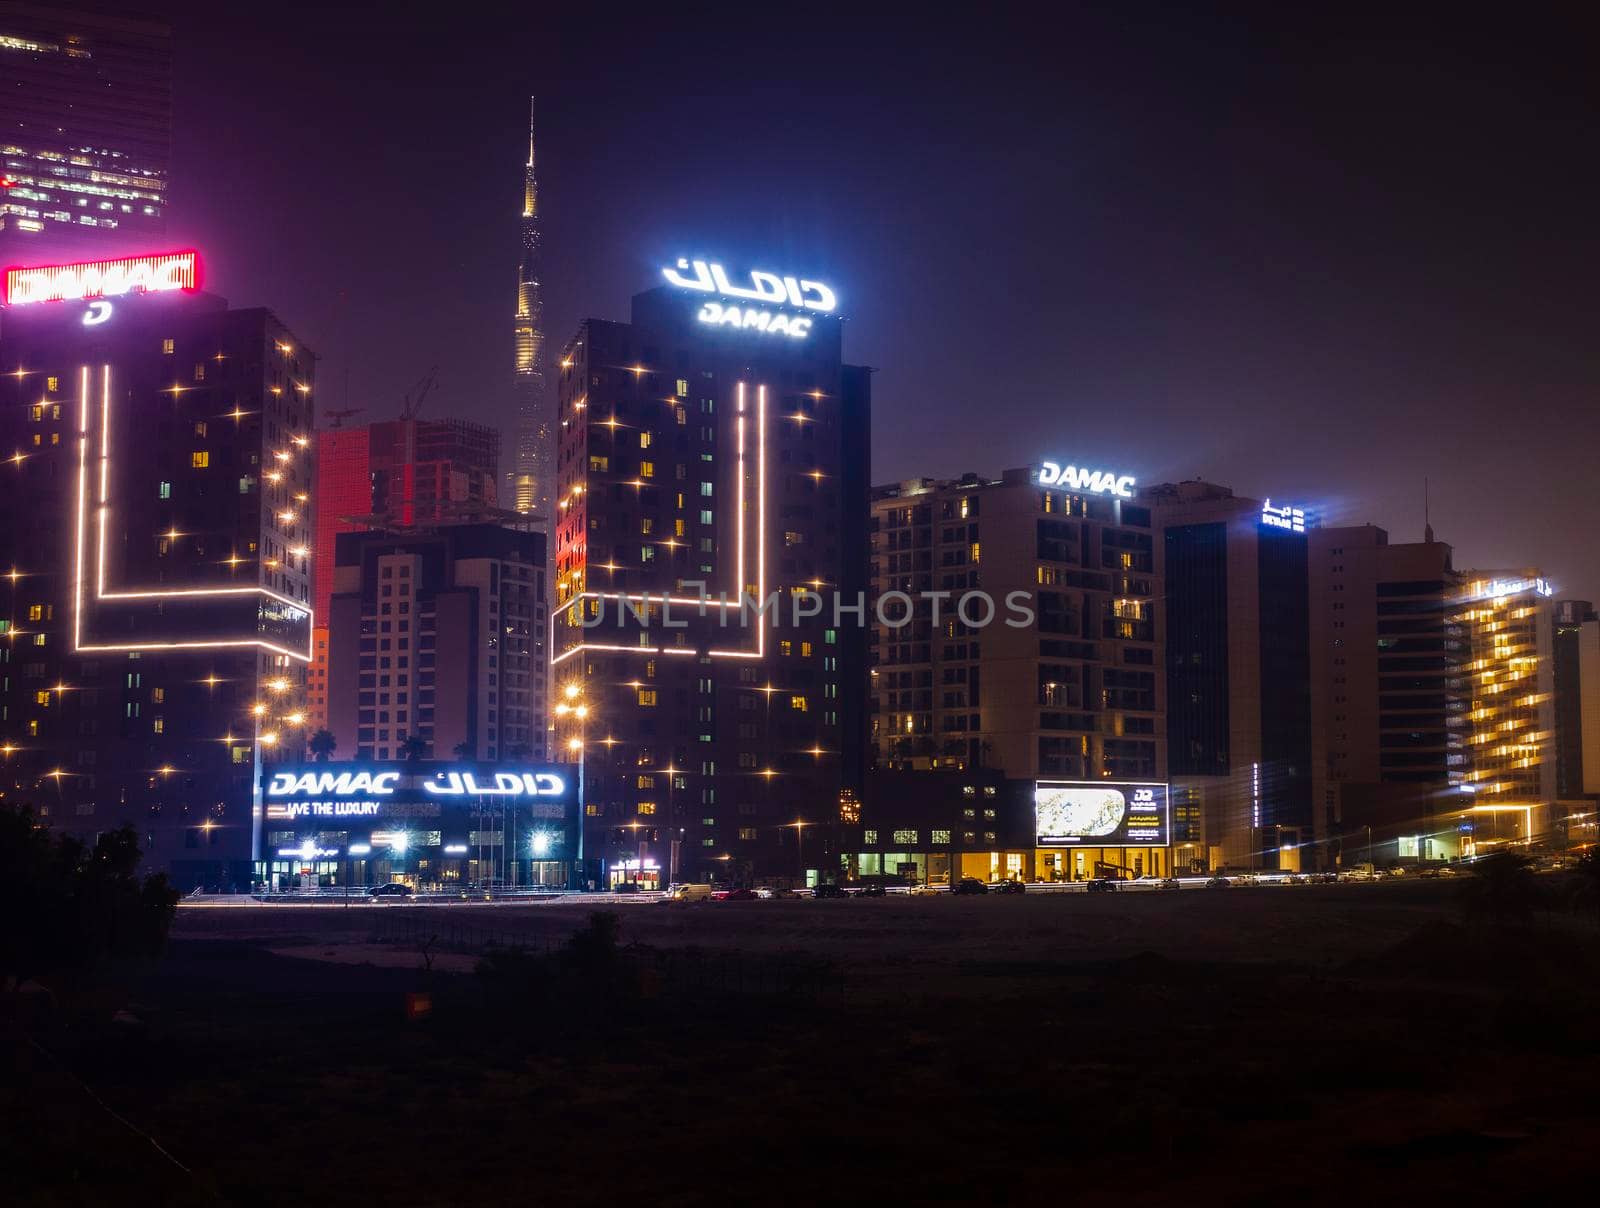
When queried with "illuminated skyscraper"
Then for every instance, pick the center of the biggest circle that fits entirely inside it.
(155, 608)
(85, 131)
(535, 433)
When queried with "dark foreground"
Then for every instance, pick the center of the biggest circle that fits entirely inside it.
(1302, 1045)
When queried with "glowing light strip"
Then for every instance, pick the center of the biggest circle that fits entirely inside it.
(139, 594)
(694, 601)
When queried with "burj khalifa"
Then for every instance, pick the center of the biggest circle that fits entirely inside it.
(534, 442)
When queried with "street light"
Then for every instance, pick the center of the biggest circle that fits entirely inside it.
(572, 706)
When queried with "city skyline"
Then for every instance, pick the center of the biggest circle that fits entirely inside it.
(1217, 269)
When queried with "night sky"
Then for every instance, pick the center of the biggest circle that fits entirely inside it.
(1316, 263)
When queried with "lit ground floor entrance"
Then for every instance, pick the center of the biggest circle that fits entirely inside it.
(1026, 864)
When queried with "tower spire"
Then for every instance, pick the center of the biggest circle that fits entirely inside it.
(531, 479)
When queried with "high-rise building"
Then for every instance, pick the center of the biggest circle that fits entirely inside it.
(1507, 697)
(716, 446)
(85, 133)
(156, 600)
(393, 475)
(1062, 686)
(534, 472)
(1387, 662)
(1237, 672)
(438, 637)
(1568, 685)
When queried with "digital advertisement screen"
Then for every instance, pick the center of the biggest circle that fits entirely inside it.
(1099, 814)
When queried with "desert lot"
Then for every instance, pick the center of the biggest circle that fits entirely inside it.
(1314, 1042)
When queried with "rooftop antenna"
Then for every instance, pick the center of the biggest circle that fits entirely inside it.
(1427, 523)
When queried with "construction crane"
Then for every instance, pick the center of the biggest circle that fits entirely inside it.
(413, 401)
(338, 416)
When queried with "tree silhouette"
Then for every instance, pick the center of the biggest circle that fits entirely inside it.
(465, 750)
(322, 745)
(412, 748)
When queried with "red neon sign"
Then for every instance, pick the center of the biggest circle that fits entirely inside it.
(160, 273)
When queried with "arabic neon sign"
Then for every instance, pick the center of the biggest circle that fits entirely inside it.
(1285, 517)
(766, 289)
(157, 274)
(1096, 482)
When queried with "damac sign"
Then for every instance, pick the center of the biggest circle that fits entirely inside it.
(103, 278)
(769, 289)
(442, 784)
(1098, 482)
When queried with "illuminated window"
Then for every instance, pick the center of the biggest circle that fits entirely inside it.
(164, 490)
(38, 639)
(598, 464)
(55, 438)
(940, 838)
(647, 698)
(644, 440)
(647, 469)
(645, 782)
(42, 697)
(241, 754)
(870, 838)
(166, 347)
(200, 459)
(805, 650)
(36, 612)
(200, 428)
(798, 704)
(976, 551)
(786, 647)
(52, 384)
(683, 388)
(592, 811)
(677, 527)
(705, 517)
(905, 836)
(200, 372)
(158, 725)
(33, 729)
(647, 807)
(37, 412)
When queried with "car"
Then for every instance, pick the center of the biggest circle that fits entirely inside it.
(689, 892)
(626, 887)
(874, 889)
(774, 893)
(741, 894)
(1101, 885)
(968, 885)
(924, 890)
(1219, 882)
(1169, 883)
(828, 889)
(1010, 887)
(394, 889)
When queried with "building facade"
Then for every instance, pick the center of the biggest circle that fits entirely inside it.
(1060, 686)
(157, 595)
(85, 133)
(436, 646)
(1388, 660)
(1237, 674)
(701, 453)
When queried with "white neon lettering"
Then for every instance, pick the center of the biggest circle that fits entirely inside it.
(1098, 482)
(749, 318)
(96, 314)
(1285, 517)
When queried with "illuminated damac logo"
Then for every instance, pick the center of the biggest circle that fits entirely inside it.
(1097, 482)
(768, 289)
(342, 784)
(103, 278)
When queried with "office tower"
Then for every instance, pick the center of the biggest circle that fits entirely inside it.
(1506, 620)
(535, 432)
(1066, 692)
(1567, 682)
(85, 133)
(156, 599)
(717, 447)
(1388, 658)
(1238, 671)
(438, 637)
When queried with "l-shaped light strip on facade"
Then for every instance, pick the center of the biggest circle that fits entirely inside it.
(693, 601)
(102, 513)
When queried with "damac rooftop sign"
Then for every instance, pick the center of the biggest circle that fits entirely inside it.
(1080, 478)
(768, 289)
(103, 278)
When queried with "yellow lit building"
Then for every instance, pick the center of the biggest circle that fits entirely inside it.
(1505, 708)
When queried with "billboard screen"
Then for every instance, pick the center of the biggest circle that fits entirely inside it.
(1100, 814)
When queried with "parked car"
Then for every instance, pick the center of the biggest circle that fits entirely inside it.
(741, 894)
(774, 893)
(923, 890)
(394, 889)
(1010, 887)
(693, 892)
(1101, 885)
(1169, 883)
(626, 887)
(874, 889)
(970, 885)
(828, 889)
(1219, 882)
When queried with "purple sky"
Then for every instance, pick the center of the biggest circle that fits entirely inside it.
(1318, 264)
